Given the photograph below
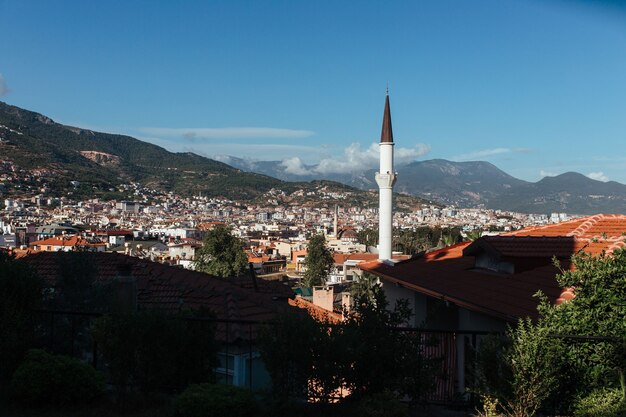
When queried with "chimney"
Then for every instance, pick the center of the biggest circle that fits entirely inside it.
(323, 297)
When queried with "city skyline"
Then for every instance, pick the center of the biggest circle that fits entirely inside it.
(534, 87)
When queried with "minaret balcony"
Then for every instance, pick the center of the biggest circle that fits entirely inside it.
(386, 180)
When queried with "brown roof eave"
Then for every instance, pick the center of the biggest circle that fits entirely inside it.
(457, 301)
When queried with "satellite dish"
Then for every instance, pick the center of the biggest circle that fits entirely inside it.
(104, 221)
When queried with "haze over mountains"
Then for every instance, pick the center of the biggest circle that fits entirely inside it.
(473, 184)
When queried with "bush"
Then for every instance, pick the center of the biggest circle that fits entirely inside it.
(204, 400)
(154, 351)
(20, 297)
(383, 404)
(45, 379)
(605, 403)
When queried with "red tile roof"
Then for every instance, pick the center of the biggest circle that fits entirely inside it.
(69, 241)
(170, 288)
(318, 313)
(447, 274)
(450, 273)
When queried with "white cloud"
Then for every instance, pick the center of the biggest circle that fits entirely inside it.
(485, 153)
(3, 86)
(543, 173)
(355, 159)
(191, 133)
(295, 166)
(598, 176)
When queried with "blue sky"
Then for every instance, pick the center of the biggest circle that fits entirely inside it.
(537, 87)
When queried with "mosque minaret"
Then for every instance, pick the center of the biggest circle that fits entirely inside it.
(385, 178)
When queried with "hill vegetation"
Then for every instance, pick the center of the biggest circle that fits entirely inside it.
(85, 163)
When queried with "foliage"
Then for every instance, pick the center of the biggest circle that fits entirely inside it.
(606, 403)
(383, 404)
(558, 344)
(289, 348)
(375, 355)
(200, 400)
(518, 374)
(413, 241)
(491, 371)
(20, 296)
(473, 234)
(490, 406)
(44, 379)
(534, 359)
(221, 254)
(363, 288)
(366, 355)
(155, 351)
(598, 309)
(318, 262)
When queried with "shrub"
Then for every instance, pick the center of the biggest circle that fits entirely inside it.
(154, 351)
(204, 400)
(20, 296)
(383, 404)
(605, 403)
(45, 379)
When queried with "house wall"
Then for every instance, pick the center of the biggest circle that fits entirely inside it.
(243, 370)
(417, 302)
(437, 314)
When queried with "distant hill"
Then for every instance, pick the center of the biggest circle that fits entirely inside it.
(480, 184)
(99, 162)
(569, 192)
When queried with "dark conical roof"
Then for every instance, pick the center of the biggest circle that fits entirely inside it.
(387, 133)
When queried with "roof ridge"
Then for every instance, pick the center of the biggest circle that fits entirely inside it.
(586, 225)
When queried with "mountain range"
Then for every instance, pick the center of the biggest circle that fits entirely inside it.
(64, 156)
(473, 184)
(61, 160)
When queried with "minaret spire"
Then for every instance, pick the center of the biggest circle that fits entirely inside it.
(386, 135)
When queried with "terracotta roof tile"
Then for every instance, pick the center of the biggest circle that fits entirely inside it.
(174, 289)
(317, 312)
(447, 273)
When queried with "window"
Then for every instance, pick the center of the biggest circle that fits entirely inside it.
(225, 368)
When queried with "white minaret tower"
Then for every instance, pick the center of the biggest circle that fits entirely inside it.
(385, 179)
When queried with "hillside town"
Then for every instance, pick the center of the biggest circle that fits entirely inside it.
(168, 227)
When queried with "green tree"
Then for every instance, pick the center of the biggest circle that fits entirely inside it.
(368, 354)
(289, 348)
(318, 262)
(363, 289)
(221, 254)
(371, 358)
(553, 362)
(156, 351)
(473, 234)
(598, 309)
(20, 296)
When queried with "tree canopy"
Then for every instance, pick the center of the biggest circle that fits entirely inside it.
(318, 262)
(598, 309)
(572, 359)
(20, 295)
(221, 254)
